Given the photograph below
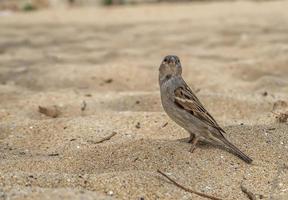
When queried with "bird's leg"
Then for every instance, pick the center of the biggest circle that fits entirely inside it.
(193, 143)
(191, 138)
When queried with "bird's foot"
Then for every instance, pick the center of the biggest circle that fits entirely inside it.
(192, 149)
(193, 143)
(191, 138)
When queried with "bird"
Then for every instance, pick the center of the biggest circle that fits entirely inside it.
(183, 107)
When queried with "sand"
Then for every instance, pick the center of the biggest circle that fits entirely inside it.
(235, 54)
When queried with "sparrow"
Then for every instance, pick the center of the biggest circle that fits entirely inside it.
(183, 107)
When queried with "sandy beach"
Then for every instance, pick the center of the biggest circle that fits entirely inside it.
(98, 68)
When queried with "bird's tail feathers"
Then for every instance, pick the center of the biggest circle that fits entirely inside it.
(237, 151)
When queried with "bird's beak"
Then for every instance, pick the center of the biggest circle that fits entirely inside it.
(172, 61)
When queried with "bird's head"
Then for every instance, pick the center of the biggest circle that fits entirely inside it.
(169, 67)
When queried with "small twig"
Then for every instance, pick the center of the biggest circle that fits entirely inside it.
(249, 194)
(53, 154)
(105, 138)
(187, 189)
(164, 125)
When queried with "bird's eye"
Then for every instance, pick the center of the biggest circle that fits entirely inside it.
(165, 60)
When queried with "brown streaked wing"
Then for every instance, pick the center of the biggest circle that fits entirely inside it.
(186, 99)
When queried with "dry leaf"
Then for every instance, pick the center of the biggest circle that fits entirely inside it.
(51, 111)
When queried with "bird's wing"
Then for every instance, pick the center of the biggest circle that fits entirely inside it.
(185, 99)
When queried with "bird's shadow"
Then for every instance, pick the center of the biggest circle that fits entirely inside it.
(207, 145)
(202, 143)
